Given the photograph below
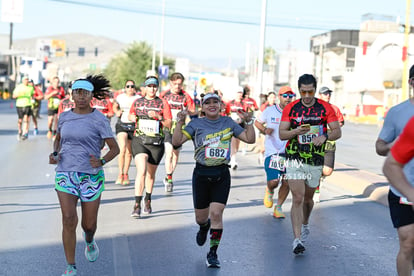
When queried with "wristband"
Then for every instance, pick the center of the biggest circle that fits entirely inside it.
(326, 135)
(103, 161)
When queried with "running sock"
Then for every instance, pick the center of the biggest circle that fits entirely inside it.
(205, 226)
(138, 200)
(147, 196)
(215, 237)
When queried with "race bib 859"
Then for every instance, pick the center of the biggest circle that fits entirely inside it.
(308, 136)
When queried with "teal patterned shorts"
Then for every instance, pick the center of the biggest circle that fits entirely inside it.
(88, 187)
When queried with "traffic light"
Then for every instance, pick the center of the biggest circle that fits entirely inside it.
(96, 51)
(203, 81)
(364, 47)
(81, 52)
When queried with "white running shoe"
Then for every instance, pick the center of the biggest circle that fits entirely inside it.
(298, 247)
(317, 197)
(304, 233)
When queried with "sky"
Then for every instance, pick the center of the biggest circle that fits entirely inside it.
(202, 29)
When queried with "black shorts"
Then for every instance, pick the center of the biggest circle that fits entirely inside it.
(22, 111)
(128, 128)
(155, 153)
(51, 112)
(210, 184)
(168, 139)
(329, 159)
(401, 214)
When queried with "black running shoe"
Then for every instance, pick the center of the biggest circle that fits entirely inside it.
(136, 213)
(202, 234)
(147, 208)
(212, 260)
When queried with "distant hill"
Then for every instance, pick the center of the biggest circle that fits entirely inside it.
(75, 65)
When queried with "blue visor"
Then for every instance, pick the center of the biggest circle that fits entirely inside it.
(82, 84)
(151, 81)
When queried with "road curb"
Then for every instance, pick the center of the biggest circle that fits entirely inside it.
(360, 182)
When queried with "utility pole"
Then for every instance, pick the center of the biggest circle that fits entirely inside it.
(259, 80)
(404, 85)
(162, 34)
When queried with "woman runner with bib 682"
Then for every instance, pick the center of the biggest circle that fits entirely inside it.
(211, 136)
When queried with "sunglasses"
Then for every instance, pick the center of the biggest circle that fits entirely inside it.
(288, 95)
(130, 86)
(81, 92)
(310, 92)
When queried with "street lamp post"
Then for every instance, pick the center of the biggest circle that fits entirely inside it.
(404, 85)
(261, 49)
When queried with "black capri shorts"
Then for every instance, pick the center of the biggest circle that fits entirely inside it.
(129, 128)
(22, 111)
(155, 153)
(401, 214)
(210, 184)
(52, 112)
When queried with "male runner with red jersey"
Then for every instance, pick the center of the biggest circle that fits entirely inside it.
(236, 105)
(305, 124)
(54, 94)
(178, 100)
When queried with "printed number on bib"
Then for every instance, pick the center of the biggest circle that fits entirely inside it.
(404, 200)
(277, 162)
(149, 126)
(174, 113)
(216, 153)
(308, 136)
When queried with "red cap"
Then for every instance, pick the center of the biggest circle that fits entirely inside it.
(285, 90)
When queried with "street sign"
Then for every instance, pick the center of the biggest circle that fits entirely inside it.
(12, 11)
(163, 72)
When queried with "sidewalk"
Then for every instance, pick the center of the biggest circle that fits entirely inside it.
(364, 183)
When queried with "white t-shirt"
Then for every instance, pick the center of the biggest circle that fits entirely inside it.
(125, 102)
(272, 116)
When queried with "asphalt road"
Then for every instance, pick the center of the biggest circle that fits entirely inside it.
(350, 235)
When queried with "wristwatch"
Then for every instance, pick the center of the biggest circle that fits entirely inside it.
(102, 161)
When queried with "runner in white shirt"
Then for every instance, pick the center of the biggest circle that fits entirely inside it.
(124, 130)
(268, 124)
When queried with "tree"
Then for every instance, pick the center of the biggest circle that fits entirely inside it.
(269, 54)
(133, 64)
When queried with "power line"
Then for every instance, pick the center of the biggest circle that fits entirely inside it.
(131, 10)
